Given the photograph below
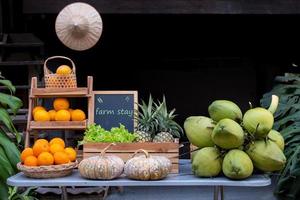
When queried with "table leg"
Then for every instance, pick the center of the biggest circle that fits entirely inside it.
(64, 194)
(216, 192)
(222, 192)
(105, 192)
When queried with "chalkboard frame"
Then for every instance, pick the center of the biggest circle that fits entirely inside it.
(131, 92)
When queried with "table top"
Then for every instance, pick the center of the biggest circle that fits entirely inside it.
(184, 178)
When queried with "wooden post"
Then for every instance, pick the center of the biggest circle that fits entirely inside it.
(30, 107)
(90, 101)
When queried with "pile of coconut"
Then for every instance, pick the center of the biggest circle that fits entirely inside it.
(234, 144)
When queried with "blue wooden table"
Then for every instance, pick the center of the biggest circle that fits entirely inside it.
(184, 178)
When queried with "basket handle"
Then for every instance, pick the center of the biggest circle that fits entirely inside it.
(47, 71)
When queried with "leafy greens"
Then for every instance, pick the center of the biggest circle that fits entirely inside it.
(95, 133)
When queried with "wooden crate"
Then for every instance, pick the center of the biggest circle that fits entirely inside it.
(126, 150)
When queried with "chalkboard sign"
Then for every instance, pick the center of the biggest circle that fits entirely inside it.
(110, 108)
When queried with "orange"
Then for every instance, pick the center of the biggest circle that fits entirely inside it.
(39, 148)
(45, 158)
(71, 153)
(41, 116)
(58, 141)
(62, 115)
(78, 115)
(56, 148)
(25, 153)
(36, 108)
(43, 141)
(31, 161)
(52, 114)
(61, 158)
(63, 70)
(61, 104)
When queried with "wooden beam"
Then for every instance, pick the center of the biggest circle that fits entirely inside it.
(171, 6)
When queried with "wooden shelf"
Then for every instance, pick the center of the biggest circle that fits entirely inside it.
(60, 125)
(36, 93)
(59, 92)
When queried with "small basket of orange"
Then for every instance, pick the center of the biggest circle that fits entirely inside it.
(65, 76)
(48, 159)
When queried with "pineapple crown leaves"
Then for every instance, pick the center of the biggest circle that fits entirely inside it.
(166, 119)
(147, 117)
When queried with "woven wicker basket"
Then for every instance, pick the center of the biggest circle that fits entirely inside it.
(53, 80)
(51, 171)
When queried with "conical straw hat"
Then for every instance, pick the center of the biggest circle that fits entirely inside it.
(78, 26)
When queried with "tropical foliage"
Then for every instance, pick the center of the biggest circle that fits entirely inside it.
(287, 122)
(9, 152)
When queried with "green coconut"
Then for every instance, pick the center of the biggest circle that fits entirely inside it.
(237, 165)
(193, 155)
(198, 130)
(258, 121)
(228, 134)
(276, 137)
(207, 162)
(266, 156)
(221, 109)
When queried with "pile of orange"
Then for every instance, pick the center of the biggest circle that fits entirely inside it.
(61, 112)
(48, 153)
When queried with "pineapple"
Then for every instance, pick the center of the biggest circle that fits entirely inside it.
(142, 136)
(167, 128)
(146, 121)
(163, 137)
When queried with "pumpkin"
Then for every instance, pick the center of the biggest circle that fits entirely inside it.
(146, 167)
(101, 167)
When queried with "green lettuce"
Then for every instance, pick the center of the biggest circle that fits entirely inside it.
(95, 133)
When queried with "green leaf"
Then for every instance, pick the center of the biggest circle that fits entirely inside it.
(11, 150)
(95, 133)
(5, 164)
(6, 120)
(12, 192)
(8, 85)
(3, 191)
(13, 102)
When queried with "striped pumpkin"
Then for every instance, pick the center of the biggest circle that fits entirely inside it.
(147, 167)
(101, 167)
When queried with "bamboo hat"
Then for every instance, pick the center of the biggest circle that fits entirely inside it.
(78, 26)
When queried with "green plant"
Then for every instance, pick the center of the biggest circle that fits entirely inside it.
(167, 128)
(95, 133)
(9, 103)
(287, 122)
(28, 194)
(9, 152)
(147, 123)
